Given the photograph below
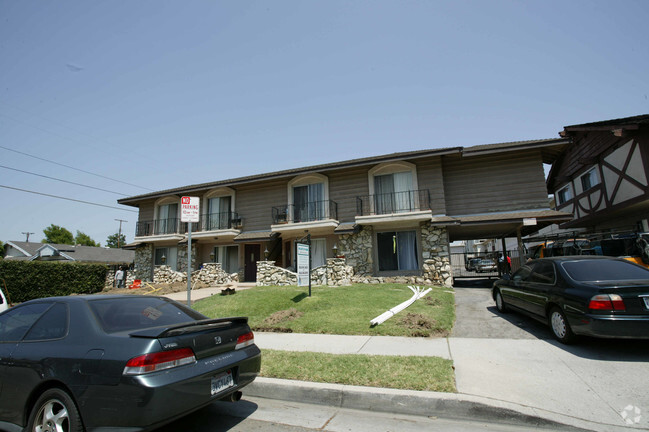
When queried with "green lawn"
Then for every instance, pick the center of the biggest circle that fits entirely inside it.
(337, 310)
(410, 373)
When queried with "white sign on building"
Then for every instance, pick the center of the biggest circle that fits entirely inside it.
(189, 209)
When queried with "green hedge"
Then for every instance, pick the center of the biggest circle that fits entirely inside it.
(27, 280)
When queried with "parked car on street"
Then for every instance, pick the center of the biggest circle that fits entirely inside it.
(580, 295)
(87, 363)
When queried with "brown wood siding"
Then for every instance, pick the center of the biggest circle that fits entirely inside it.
(429, 176)
(147, 211)
(344, 187)
(494, 183)
(585, 151)
(255, 203)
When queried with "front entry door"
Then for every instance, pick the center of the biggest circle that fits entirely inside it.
(252, 255)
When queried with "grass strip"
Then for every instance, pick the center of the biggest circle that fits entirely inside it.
(337, 310)
(398, 372)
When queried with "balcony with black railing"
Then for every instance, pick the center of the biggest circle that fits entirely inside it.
(393, 203)
(306, 212)
(209, 222)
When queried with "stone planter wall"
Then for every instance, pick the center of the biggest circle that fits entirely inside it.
(209, 274)
(335, 273)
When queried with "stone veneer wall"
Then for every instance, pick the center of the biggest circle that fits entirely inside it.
(436, 267)
(209, 273)
(436, 254)
(143, 263)
(357, 250)
(334, 273)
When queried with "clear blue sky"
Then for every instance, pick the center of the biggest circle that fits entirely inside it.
(160, 94)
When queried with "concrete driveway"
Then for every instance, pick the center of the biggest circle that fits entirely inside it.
(512, 357)
(477, 316)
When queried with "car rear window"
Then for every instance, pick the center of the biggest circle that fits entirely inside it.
(604, 270)
(135, 313)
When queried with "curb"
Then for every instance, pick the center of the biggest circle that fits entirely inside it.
(420, 403)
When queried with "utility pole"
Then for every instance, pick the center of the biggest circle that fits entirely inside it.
(119, 236)
(27, 234)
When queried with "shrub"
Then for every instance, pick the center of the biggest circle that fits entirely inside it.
(27, 280)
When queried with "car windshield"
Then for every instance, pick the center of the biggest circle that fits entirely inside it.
(133, 313)
(604, 270)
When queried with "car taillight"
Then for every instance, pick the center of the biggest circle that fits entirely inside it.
(245, 340)
(158, 361)
(607, 302)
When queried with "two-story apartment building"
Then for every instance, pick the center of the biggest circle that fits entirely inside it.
(602, 177)
(389, 215)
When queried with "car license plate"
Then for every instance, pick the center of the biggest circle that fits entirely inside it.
(222, 382)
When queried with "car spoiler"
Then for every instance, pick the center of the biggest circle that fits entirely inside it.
(188, 327)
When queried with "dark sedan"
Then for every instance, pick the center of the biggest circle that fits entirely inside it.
(580, 295)
(118, 363)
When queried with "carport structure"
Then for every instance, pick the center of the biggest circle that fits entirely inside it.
(497, 226)
(498, 191)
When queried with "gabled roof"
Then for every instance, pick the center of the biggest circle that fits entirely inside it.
(104, 255)
(550, 148)
(622, 123)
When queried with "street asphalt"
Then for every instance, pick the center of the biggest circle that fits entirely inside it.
(508, 369)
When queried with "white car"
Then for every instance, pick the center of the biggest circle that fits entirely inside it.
(3, 302)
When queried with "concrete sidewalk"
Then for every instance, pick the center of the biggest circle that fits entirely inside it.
(530, 381)
(598, 385)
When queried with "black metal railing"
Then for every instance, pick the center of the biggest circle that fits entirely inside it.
(209, 222)
(219, 221)
(395, 202)
(306, 212)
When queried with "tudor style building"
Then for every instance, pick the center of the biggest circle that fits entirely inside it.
(388, 216)
(602, 177)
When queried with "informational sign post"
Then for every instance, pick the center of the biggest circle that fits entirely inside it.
(189, 213)
(304, 263)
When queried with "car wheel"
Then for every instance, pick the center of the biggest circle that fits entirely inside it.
(55, 411)
(560, 327)
(500, 303)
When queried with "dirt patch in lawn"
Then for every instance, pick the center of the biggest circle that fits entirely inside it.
(271, 323)
(421, 325)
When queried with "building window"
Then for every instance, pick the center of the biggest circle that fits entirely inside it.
(228, 256)
(219, 209)
(308, 197)
(167, 256)
(218, 213)
(393, 188)
(589, 180)
(564, 195)
(166, 217)
(397, 250)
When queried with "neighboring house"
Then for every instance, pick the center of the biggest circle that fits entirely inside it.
(602, 175)
(390, 215)
(29, 251)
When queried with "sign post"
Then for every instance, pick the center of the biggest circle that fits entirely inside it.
(304, 262)
(190, 213)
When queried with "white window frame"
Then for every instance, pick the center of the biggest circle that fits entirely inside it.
(165, 201)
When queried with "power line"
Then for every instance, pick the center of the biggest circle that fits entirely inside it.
(68, 199)
(74, 168)
(61, 180)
